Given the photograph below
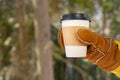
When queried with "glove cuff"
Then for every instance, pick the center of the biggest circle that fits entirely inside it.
(116, 71)
(118, 43)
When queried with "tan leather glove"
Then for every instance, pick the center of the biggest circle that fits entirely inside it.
(100, 50)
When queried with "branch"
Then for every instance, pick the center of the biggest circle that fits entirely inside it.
(84, 75)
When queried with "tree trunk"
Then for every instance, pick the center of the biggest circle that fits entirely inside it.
(21, 68)
(43, 40)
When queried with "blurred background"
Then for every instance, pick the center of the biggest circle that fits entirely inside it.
(29, 48)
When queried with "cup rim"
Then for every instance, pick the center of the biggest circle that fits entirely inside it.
(75, 16)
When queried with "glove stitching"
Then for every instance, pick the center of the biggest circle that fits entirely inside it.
(103, 52)
(99, 59)
(90, 43)
(98, 49)
(110, 45)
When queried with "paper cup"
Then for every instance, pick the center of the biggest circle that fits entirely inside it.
(70, 25)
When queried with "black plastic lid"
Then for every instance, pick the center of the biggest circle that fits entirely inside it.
(75, 16)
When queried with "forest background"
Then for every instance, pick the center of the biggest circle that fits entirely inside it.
(29, 48)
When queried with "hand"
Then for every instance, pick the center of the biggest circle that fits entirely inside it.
(100, 50)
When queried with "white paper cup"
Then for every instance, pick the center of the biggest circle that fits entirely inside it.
(73, 47)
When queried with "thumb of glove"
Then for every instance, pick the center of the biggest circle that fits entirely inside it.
(93, 39)
(86, 36)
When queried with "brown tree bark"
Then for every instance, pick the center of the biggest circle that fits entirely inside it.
(43, 40)
(21, 68)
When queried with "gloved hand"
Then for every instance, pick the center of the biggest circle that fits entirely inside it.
(100, 50)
